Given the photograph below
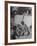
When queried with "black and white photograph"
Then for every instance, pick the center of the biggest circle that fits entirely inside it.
(20, 22)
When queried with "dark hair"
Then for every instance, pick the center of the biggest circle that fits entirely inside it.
(14, 27)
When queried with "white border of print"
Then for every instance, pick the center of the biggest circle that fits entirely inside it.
(20, 40)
